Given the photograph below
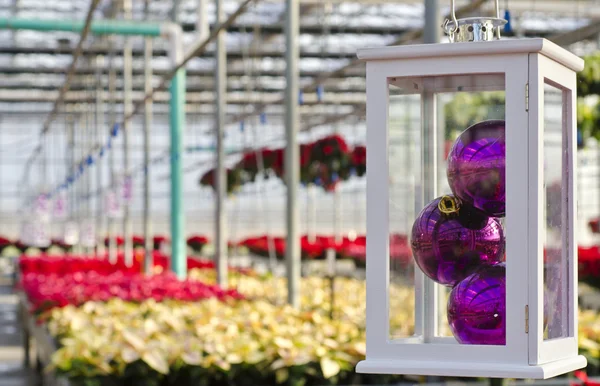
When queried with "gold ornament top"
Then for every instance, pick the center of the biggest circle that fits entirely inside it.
(448, 205)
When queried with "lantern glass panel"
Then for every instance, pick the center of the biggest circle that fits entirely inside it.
(404, 145)
(555, 214)
(446, 152)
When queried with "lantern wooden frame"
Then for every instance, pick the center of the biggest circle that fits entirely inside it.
(526, 65)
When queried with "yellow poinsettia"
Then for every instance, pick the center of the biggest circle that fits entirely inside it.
(261, 332)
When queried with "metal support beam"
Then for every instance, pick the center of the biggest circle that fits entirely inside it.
(433, 21)
(177, 125)
(148, 261)
(100, 135)
(100, 27)
(202, 26)
(88, 144)
(175, 11)
(128, 106)
(112, 85)
(292, 152)
(221, 253)
(148, 241)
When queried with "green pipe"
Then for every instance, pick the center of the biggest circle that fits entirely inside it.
(101, 27)
(177, 122)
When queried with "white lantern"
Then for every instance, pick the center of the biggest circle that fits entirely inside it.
(495, 280)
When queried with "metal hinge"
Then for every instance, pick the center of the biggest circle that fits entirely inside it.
(527, 97)
(527, 319)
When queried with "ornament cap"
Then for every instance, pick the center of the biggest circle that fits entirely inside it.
(449, 205)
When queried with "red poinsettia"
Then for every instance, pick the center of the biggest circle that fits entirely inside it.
(359, 160)
(594, 225)
(4, 242)
(234, 180)
(138, 241)
(197, 242)
(46, 291)
(159, 241)
(119, 240)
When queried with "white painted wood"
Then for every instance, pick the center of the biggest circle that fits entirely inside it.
(429, 131)
(562, 78)
(472, 65)
(378, 266)
(534, 253)
(377, 314)
(458, 368)
(516, 227)
(471, 49)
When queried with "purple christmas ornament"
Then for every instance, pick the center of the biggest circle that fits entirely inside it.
(477, 307)
(476, 167)
(450, 246)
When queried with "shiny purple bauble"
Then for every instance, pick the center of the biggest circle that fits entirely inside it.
(476, 167)
(477, 307)
(449, 247)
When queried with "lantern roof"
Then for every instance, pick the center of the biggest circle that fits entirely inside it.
(499, 47)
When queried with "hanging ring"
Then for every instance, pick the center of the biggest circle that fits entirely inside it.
(453, 16)
(449, 205)
(451, 30)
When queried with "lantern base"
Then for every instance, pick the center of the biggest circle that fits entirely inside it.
(473, 369)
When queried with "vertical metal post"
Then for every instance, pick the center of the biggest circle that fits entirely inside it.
(175, 11)
(112, 84)
(432, 30)
(177, 124)
(148, 261)
(77, 183)
(100, 135)
(429, 162)
(202, 27)
(87, 141)
(128, 108)
(292, 152)
(337, 216)
(312, 213)
(221, 253)
(70, 169)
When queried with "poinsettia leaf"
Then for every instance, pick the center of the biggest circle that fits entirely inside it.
(329, 367)
(134, 340)
(156, 361)
(192, 358)
(129, 355)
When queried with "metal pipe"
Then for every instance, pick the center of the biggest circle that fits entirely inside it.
(87, 146)
(71, 170)
(177, 126)
(292, 152)
(128, 106)
(221, 253)
(112, 89)
(148, 242)
(429, 162)
(99, 27)
(100, 216)
(432, 30)
(202, 27)
(175, 11)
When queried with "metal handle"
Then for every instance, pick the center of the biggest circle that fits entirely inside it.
(453, 16)
(454, 29)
